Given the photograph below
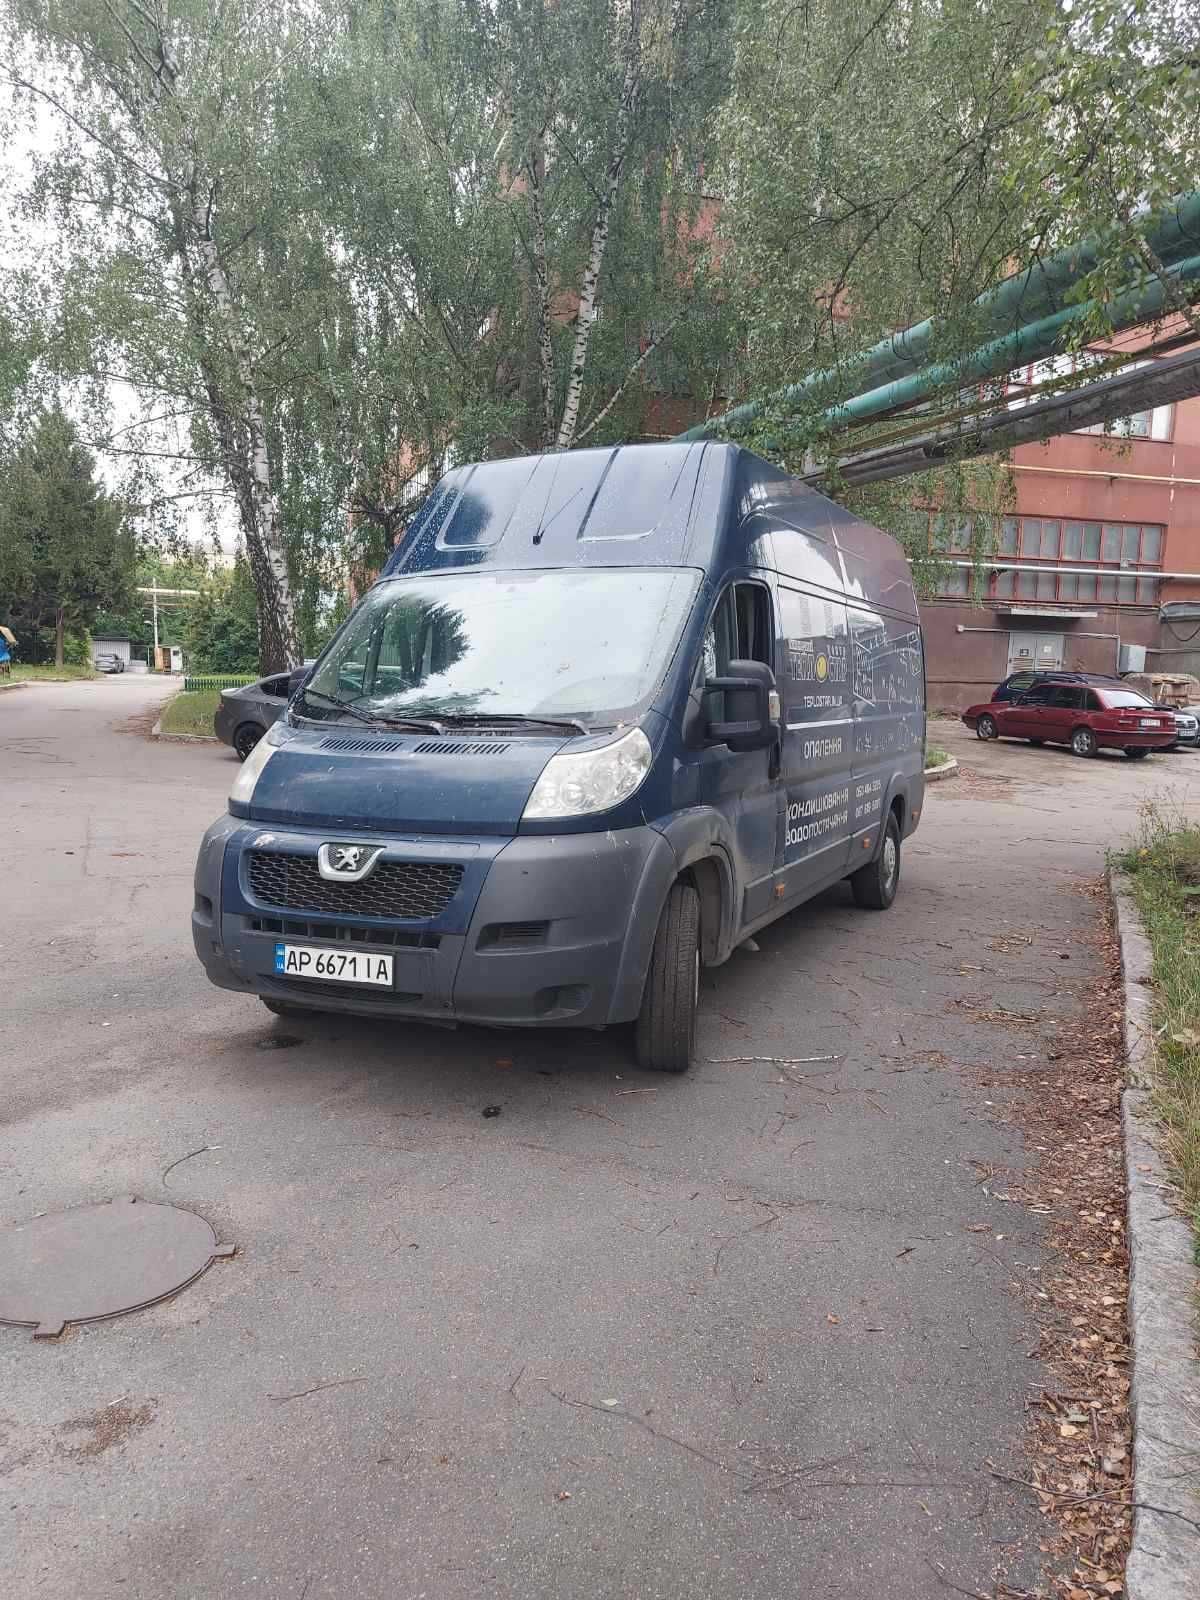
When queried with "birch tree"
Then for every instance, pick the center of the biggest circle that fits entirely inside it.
(163, 185)
(515, 190)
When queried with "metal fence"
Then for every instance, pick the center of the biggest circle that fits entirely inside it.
(218, 681)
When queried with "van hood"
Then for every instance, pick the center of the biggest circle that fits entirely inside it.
(459, 783)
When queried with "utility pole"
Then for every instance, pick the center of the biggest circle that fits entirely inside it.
(170, 596)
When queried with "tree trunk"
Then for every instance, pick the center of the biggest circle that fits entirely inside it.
(59, 630)
(622, 138)
(537, 178)
(278, 635)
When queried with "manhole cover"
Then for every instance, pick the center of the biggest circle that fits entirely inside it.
(99, 1261)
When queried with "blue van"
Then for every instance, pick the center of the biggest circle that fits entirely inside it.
(604, 715)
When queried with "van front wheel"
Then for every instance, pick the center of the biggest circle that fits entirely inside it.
(665, 1033)
(875, 884)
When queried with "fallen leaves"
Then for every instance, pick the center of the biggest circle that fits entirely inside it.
(1069, 1110)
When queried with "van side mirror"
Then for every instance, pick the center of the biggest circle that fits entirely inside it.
(749, 717)
(298, 677)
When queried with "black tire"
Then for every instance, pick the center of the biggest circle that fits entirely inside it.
(985, 727)
(1083, 743)
(1037, 743)
(245, 738)
(1136, 755)
(665, 1032)
(280, 1008)
(875, 884)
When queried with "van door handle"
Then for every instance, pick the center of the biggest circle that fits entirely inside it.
(775, 759)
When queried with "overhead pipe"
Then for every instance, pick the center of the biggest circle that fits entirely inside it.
(1174, 378)
(1030, 295)
(1171, 234)
(1033, 342)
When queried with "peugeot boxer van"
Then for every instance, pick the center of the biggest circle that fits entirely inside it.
(604, 715)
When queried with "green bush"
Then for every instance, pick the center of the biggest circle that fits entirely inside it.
(1165, 869)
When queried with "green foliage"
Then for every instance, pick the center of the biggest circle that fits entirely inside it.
(318, 237)
(1165, 867)
(1110, 125)
(888, 168)
(333, 254)
(220, 631)
(65, 546)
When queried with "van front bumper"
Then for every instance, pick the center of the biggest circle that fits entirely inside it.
(540, 931)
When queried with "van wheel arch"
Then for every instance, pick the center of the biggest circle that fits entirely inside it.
(708, 877)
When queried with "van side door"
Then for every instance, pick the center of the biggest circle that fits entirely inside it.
(742, 785)
(888, 681)
(818, 739)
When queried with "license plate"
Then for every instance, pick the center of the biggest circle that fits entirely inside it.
(1150, 722)
(333, 966)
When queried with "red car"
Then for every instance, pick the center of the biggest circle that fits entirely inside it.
(1088, 717)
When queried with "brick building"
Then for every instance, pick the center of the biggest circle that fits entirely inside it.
(1106, 531)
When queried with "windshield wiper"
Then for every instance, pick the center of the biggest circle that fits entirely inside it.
(509, 718)
(418, 724)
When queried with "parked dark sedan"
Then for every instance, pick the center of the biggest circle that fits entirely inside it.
(1105, 716)
(1019, 683)
(244, 715)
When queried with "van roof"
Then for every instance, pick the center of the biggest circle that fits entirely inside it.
(673, 504)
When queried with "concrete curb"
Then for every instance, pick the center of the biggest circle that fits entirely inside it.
(1163, 1285)
(182, 738)
(946, 770)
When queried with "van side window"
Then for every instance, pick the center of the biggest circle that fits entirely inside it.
(740, 629)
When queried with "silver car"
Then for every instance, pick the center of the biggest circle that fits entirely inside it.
(1187, 727)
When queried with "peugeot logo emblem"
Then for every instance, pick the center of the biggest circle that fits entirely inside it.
(347, 863)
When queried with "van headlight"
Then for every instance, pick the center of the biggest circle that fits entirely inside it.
(243, 784)
(576, 784)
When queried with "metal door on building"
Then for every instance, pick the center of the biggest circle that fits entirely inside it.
(1035, 652)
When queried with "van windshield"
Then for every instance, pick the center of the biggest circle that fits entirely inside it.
(589, 645)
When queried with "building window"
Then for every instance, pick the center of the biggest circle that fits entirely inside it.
(1023, 386)
(1154, 424)
(1124, 556)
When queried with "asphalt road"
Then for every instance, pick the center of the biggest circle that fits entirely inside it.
(634, 1336)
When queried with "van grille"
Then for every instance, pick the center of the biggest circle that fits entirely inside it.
(414, 890)
(345, 933)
